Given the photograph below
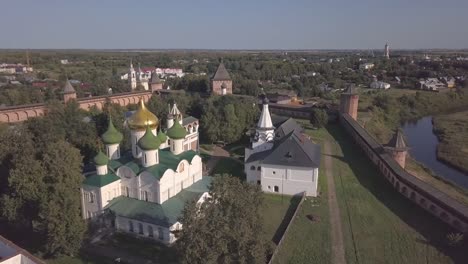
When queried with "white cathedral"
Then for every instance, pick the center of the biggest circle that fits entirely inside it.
(281, 158)
(144, 191)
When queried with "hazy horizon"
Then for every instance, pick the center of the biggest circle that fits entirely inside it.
(240, 25)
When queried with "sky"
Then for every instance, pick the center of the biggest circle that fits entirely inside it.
(235, 24)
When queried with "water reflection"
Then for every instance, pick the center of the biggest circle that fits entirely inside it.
(423, 144)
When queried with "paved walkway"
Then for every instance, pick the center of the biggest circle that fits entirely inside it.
(338, 252)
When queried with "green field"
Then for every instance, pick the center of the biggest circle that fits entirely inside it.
(276, 212)
(452, 131)
(379, 225)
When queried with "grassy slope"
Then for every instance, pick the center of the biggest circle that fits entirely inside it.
(276, 212)
(380, 225)
(452, 131)
(380, 124)
(306, 241)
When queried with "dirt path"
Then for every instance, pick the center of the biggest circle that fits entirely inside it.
(338, 252)
(216, 154)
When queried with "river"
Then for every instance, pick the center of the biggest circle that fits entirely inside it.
(423, 146)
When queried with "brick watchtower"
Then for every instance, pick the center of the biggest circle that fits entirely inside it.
(349, 102)
(397, 148)
(221, 83)
(68, 92)
(156, 83)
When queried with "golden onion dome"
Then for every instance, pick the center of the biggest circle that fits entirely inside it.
(142, 118)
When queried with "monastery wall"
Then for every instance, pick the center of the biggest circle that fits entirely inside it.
(427, 197)
(21, 113)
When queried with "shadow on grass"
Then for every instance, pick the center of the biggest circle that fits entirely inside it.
(293, 203)
(430, 227)
(229, 166)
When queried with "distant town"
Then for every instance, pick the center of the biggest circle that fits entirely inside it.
(204, 156)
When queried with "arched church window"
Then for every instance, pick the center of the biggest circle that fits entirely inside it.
(130, 226)
(258, 168)
(252, 167)
(160, 233)
(140, 228)
(150, 231)
(181, 167)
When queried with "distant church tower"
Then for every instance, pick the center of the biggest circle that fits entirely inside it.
(387, 51)
(349, 102)
(132, 77)
(221, 83)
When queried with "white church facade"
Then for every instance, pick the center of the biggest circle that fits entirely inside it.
(282, 160)
(144, 191)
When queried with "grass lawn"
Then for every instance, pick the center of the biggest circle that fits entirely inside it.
(452, 131)
(379, 225)
(229, 166)
(307, 241)
(276, 212)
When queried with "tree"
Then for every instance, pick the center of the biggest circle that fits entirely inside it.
(61, 218)
(40, 192)
(319, 117)
(226, 228)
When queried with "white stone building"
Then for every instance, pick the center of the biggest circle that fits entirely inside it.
(282, 160)
(379, 85)
(143, 192)
(366, 66)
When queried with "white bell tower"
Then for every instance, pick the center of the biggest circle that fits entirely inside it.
(132, 77)
(265, 131)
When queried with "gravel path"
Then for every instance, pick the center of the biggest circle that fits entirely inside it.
(338, 252)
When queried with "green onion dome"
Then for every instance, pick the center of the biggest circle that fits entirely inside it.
(149, 141)
(112, 136)
(101, 159)
(177, 131)
(162, 137)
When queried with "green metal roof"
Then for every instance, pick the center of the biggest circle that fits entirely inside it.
(177, 131)
(167, 160)
(161, 136)
(149, 141)
(100, 180)
(165, 214)
(101, 159)
(111, 136)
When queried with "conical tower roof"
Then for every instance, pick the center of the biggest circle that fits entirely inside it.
(397, 142)
(155, 78)
(177, 131)
(68, 88)
(149, 141)
(162, 136)
(265, 118)
(101, 159)
(351, 89)
(112, 135)
(221, 73)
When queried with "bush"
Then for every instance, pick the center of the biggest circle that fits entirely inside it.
(319, 118)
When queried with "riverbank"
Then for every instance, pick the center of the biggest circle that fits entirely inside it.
(384, 111)
(452, 132)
